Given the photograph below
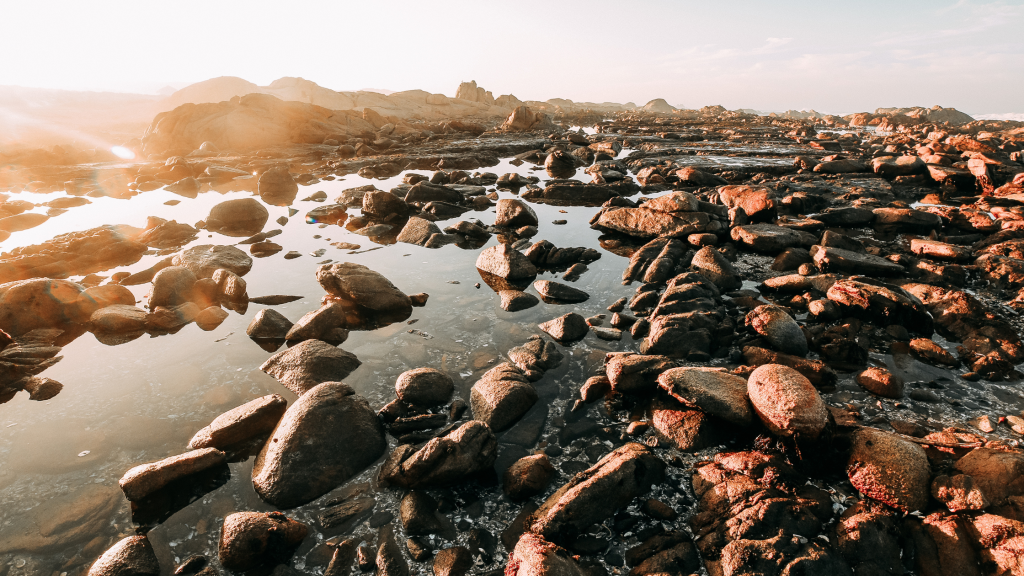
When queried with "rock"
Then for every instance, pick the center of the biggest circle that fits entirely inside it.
(210, 317)
(829, 259)
(925, 349)
(230, 285)
(907, 219)
(710, 263)
(636, 373)
(424, 387)
(560, 164)
(514, 213)
(522, 119)
(454, 561)
(131, 556)
(787, 402)
(21, 222)
(424, 192)
(383, 204)
(791, 259)
(277, 187)
(893, 166)
(172, 286)
(364, 287)
(324, 438)
(685, 429)
(598, 492)
(846, 217)
(169, 318)
(308, 364)
(205, 259)
(419, 515)
(882, 382)
(646, 223)
(879, 303)
(118, 319)
(389, 561)
(514, 300)
(757, 203)
(97, 297)
(940, 250)
(889, 469)
(418, 231)
(326, 323)
(241, 424)
(502, 396)
(242, 217)
(528, 477)
(711, 391)
(690, 176)
(41, 389)
(1001, 540)
(268, 324)
(680, 559)
(444, 460)
(819, 373)
(506, 262)
(841, 167)
(779, 328)
(769, 238)
(567, 328)
(251, 540)
(999, 475)
(39, 303)
(958, 493)
(141, 481)
(560, 292)
(535, 556)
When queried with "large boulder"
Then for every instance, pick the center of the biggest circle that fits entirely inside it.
(444, 460)
(309, 363)
(787, 402)
(206, 259)
(598, 492)
(522, 119)
(39, 303)
(889, 469)
(424, 387)
(514, 213)
(241, 217)
(171, 286)
(327, 436)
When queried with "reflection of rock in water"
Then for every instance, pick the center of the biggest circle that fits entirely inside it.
(164, 503)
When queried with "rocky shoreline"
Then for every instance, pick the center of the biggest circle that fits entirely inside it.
(811, 364)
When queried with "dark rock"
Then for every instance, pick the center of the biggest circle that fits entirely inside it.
(514, 213)
(779, 328)
(444, 460)
(327, 436)
(454, 561)
(534, 556)
(829, 259)
(636, 373)
(598, 492)
(528, 477)
(769, 238)
(710, 263)
(251, 540)
(364, 287)
(880, 303)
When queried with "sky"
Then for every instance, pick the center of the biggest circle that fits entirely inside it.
(832, 57)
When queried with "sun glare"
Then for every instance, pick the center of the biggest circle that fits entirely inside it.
(123, 153)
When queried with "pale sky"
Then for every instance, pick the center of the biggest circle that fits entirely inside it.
(830, 56)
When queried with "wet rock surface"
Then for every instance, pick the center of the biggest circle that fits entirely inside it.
(883, 280)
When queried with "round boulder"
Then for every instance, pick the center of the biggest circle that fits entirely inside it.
(779, 328)
(251, 540)
(889, 469)
(787, 402)
(424, 387)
